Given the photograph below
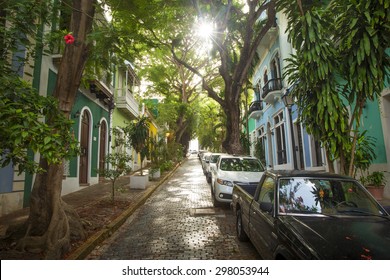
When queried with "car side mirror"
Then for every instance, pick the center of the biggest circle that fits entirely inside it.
(266, 206)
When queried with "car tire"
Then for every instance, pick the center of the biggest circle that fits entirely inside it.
(241, 234)
(216, 203)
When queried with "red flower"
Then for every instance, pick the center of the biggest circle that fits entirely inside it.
(69, 39)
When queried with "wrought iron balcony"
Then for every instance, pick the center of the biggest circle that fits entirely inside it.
(255, 109)
(272, 90)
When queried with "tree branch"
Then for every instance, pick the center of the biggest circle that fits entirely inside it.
(205, 85)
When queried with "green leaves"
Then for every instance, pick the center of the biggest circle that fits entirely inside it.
(345, 38)
(29, 121)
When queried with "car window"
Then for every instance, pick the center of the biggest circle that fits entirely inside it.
(252, 165)
(267, 190)
(237, 164)
(214, 158)
(323, 196)
(231, 164)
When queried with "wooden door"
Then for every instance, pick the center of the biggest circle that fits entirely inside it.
(84, 146)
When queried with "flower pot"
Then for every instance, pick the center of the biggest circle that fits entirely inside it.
(377, 192)
(155, 174)
(139, 181)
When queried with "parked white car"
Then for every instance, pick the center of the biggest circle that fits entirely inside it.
(211, 164)
(230, 170)
(204, 160)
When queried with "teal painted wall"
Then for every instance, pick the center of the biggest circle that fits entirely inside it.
(251, 125)
(371, 121)
(97, 113)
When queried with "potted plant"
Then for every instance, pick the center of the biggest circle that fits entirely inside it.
(155, 172)
(138, 133)
(375, 184)
(156, 152)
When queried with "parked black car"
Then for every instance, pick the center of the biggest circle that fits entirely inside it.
(311, 215)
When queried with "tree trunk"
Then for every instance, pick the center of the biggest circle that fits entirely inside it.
(232, 143)
(351, 170)
(51, 223)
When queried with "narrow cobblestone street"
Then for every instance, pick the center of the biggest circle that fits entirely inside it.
(178, 222)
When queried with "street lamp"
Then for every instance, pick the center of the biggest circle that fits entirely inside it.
(288, 102)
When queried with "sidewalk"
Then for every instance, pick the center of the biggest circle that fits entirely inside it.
(88, 198)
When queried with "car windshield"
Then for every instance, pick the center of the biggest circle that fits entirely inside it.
(214, 158)
(237, 164)
(324, 196)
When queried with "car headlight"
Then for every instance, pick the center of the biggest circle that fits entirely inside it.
(225, 182)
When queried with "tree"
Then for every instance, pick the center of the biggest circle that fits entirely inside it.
(239, 30)
(22, 109)
(362, 43)
(211, 125)
(179, 89)
(117, 163)
(51, 222)
(138, 134)
(330, 46)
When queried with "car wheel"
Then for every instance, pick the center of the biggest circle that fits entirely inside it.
(241, 235)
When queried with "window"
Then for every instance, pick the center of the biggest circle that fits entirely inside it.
(260, 144)
(237, 164)
(265, 77)
(267, 190)
(316, 152)
(324, 196)
(275, 69)
(280, 138)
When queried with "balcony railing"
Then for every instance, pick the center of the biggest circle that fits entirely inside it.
(126, 102)
(271, 90)
(255, 109)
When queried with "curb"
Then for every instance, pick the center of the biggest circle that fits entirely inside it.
(83, 251)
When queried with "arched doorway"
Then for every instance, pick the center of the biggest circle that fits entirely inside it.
(102, 147)
(84, 147)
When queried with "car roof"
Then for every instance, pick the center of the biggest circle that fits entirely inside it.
(306, 173)
(236, 156)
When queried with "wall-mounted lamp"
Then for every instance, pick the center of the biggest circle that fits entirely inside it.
(97, 125)
(76, 114)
